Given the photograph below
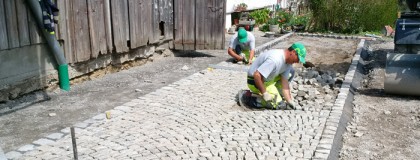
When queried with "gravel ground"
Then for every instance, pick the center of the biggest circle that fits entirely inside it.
(384, 126)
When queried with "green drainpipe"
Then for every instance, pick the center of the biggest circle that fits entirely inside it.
(63, 71)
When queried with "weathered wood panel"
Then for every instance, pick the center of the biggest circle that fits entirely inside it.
(4, 42)
(165, 15)
(155, 22)
(35, 34)
(219, 32)
(11, 23)
(80, 30)
(63, 30)
(201, 25)
(147, 20)
(212, 16)
(135, 18)
(178, 27)
(216, 20)
(119, 27)
(22, 17)
(108, 26)
(189, 25)
(97, 27)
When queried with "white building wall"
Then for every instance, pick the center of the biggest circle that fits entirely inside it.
(252, 4)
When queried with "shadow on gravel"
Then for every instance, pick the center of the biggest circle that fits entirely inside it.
(23, 102)
(373, 92)
(191, 54)
(341, 68)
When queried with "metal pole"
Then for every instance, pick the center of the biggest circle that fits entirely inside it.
(73, 141)
(63, 74)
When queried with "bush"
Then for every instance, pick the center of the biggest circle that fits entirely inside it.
(352, 16)
(300, 20)
(284, 17)
(260, 16)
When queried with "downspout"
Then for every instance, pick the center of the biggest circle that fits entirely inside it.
(63, 72)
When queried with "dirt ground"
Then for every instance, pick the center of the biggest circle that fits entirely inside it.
(385, 136)
(384, 126)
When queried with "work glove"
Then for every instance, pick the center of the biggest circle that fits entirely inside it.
(291, 104)
(267, 97)
(244, 59)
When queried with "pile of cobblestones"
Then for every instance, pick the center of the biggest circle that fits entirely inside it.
(315, 89)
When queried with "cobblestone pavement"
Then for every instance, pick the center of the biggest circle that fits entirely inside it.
(194, 118)
(185, 120)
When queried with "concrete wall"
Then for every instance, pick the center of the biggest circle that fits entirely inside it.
(252, 4)
(21, 64)
(31, 68)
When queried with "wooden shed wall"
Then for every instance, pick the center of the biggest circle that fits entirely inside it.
(17, 29)
(94, 27)
(89, 28)
(199, 24)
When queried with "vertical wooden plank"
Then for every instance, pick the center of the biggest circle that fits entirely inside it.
(210, 23)
(80, 30)
(169, 31)
(63, 30)
(155, 22)
(35, 34)
(134, 7)
(178, 23)
(97, 27)
(220, 24)
(22, 17)
(162, 15)
(200, 24)
(118, 8)
(126, 20)
(189, 25)
(142, 23)
(147, 21)
(4, 43)
(11, 23)
(108, 30)
(166, 15)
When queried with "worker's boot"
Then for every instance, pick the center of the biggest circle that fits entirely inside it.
(247, 99)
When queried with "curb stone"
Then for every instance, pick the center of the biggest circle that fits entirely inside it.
(341, 113)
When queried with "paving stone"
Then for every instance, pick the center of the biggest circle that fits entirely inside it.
(13, 155)
(26, 148)
(43, 141)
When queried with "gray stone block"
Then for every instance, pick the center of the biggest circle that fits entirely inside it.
(25, 148)
(43, 141)
(55, 136)
(13, 155)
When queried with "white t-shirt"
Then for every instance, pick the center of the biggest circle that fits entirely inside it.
(270, 64)
(248, 45)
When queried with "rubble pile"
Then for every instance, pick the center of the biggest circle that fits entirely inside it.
(315, 90)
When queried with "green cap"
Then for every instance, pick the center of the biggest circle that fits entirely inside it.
(242, 35)
(300, 50)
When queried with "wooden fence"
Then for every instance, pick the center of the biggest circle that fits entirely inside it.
(93, 27)
(88, 28)
(199, 24)
(17, 29)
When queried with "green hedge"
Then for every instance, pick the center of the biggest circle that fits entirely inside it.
(352, 16)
